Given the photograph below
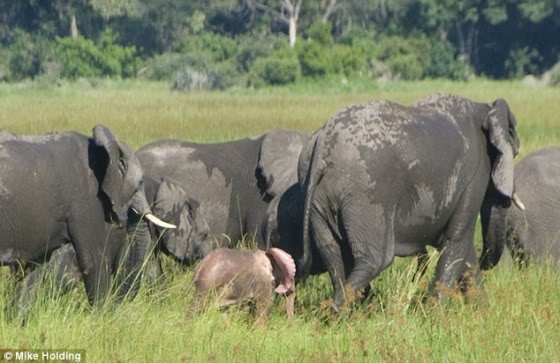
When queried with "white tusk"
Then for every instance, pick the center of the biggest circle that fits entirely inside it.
(518, 201)
(158, 222)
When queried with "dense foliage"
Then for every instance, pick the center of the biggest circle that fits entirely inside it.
(196, 44)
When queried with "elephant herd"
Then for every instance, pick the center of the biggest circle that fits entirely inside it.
(376, 181)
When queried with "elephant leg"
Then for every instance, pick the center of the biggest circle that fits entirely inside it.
(96, 274)
(290, 300)
(471, 277)
(65, 267)
(372, 241)
(516, 240)
(263, 300)
(423, 258)
(331, 254)
(92, 249)
(153, 272)
(457, 247)
(25, 293)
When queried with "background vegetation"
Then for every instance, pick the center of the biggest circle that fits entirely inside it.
(221, 44)
(517, 321)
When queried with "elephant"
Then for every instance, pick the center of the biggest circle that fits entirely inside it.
(283, 226)
(169, 201)
(238, 275)
(65, 188)
(235, 181)
(529, 229)
(382, 180)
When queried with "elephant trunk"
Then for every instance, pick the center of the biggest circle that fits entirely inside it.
(136, 251)
(494, 233)
(139, 247)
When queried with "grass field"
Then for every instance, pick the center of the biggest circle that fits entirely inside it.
(519, 320)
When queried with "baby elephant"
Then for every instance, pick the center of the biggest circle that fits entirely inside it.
(237, 276)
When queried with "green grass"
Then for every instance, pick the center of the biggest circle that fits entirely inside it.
(518, 320)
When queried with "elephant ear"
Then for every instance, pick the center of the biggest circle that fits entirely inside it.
(284, 270)
(278, 160)
(115, 169)
(170, 202)
(498, 124)
(169, 199)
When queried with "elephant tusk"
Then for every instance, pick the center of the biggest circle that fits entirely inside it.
(518, 201)
(158, 222)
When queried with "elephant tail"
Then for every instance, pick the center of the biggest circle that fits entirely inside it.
(314, 171)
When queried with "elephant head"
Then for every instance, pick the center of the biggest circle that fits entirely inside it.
(503, 141)
(278, 160)
(189, 241)
(122, 193)
(120, 176)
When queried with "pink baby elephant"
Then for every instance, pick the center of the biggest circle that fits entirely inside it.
(237, 275)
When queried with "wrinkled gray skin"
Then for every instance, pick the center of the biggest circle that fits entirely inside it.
(169, 201)
(533, 233)
(236, 276)
(63, 188)
(383, 180)
(283, 226)
(235, 180)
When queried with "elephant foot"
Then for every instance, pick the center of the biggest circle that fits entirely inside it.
(329, 308)
(442, 294)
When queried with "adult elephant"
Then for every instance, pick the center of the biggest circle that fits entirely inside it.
(235, 181)
(283, 227)
(184, 244)
(384, 180)
(531, 230)
(63, 188)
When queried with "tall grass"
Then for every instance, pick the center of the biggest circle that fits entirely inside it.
(517, 320)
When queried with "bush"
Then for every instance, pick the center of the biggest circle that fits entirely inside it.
(314, 59)
(124, 57)
(281, 67)
(81, 57)
(365, 47)
(407, 58)
(219, 47)
(522, 61)
(347, 60)
(554, 75)
(321, 32)
(163, 67)
(28, 56)
(218, 76)
(189, 79)
(443, 62)
(205, 61)
(253, 47)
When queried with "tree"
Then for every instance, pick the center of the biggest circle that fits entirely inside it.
(286, 11)
(462, 19)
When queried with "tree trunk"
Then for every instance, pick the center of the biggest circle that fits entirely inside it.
(73, 27)
(292, 31)
(331, 8)
(462, 43)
